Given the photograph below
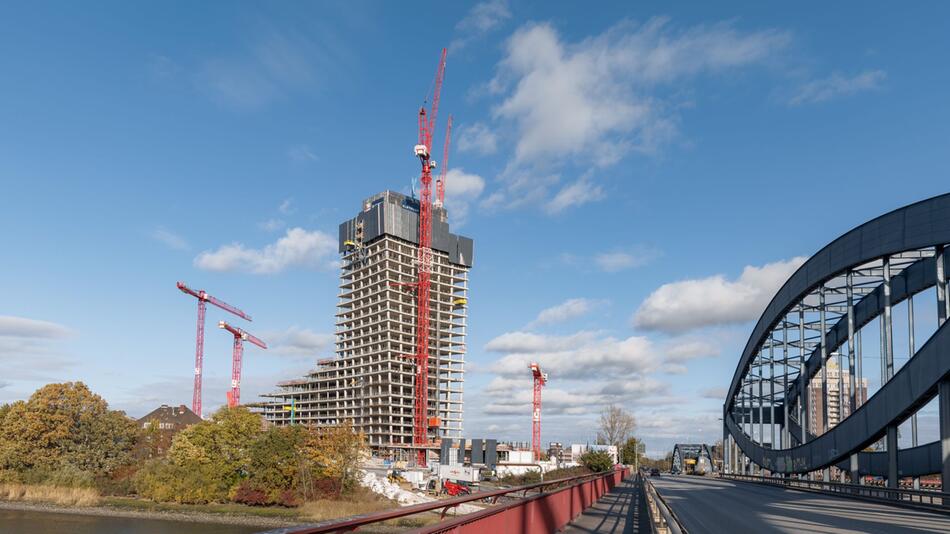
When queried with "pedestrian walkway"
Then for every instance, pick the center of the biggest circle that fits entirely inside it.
(620, 511)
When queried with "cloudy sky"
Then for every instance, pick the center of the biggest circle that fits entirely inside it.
(637, 181)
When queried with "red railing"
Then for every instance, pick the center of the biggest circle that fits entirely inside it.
(542, 512)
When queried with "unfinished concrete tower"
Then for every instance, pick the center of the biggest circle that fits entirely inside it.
(370, 382)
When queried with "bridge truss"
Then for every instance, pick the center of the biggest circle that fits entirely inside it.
(832, 318)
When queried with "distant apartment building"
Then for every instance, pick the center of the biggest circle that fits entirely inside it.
(838, 400)
(370, 381)
(165, 421)
(557, 452)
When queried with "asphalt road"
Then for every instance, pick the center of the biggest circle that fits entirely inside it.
(708, 505)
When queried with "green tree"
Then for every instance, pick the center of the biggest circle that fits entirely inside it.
(597, 461)
(206, 461)
(629, 451)
(275, 462)
(64, 434)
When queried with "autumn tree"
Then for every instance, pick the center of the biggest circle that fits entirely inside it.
(64, 434)
(616, 425)
(206, 461)
(335, 453)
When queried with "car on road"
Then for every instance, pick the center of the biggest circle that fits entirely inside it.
(654, 472)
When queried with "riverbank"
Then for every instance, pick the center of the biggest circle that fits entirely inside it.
(226, 514)
(190, 516)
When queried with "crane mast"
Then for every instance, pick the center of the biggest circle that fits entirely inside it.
(204, 298)
(540, 380)
(420, 427)
(237, 355)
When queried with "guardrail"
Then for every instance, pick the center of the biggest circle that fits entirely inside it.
(662, 517)
(545, 511)
(935, 501)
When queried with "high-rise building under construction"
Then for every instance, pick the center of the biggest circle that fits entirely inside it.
(370, 381)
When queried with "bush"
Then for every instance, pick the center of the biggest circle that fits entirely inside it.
(597, 461)
(531, 477)
(246, 494)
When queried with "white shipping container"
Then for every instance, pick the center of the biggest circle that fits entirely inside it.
(459, 472)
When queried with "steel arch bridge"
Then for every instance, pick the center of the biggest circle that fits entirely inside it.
(684, 451)
(798, 400)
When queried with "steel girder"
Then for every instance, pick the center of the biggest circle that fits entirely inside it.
(907, 233)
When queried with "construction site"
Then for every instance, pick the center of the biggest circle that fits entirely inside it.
(371, 381)
(398, 372)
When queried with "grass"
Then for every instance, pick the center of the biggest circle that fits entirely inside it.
(49, 494)
(361, 502)
(143, 505)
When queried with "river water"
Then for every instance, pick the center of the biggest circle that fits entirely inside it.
(33, 522)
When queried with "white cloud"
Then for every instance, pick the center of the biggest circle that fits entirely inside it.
(717, 393)
(287, 206)
(690, 304)
(21, 327)
(298, 248)
(514, 396)
(480, 20)
(593, 102)
(169, 239)
(621, 260)
(690, 426)
(569, 309)
(680, 351)
(523, 342)
(477, 138)
(674, 369)
(272, 225)
(837, 85)
(27, 349)
(583, 191)
(579, 356)
(461, 190)
(296, 341)
(301, 153)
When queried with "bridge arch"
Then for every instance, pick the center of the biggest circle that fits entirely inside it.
(815, 321)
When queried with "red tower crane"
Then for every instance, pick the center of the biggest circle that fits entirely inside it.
(440, 185)
(540, 380)
(420, 427)
(203, 298)
(240, 336)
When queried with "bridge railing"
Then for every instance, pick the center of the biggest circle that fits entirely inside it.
(551, 505)
(662, 517)
(924, 499)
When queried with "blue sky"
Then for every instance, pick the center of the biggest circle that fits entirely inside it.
(637, 182)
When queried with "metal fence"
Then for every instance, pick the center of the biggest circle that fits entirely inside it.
(662, 518)
(936, 501)
(540, 508)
